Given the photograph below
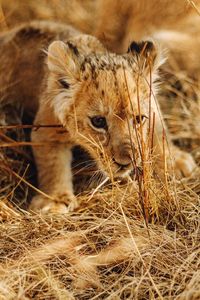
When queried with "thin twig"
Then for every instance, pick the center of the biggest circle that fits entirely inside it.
(35, 126)
(19, 144)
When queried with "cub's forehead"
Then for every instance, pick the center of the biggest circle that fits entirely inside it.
(111, 73)
(108, 62)
(116, 72)
(114, 81)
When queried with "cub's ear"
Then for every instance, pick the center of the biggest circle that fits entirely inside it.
(144, 47)
(148, 54)
(63, 59)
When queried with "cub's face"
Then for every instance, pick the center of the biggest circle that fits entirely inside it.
(103, 100)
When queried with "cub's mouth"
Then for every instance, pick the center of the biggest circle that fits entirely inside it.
(88, 175)
(84, 167)
(133, 172)
(121, 171)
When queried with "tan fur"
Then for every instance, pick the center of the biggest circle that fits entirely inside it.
(183, 46)
(120, 22)
(120, 88)
(173, 24)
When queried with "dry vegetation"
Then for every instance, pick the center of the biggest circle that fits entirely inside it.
(126, 241)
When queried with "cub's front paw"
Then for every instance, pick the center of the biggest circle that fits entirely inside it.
(184, 164)
(61, 204)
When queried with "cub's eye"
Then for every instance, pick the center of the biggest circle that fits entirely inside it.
(99, 122)
(63, 83)
(140, 119)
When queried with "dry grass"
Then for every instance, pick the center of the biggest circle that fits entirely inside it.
(120, 244)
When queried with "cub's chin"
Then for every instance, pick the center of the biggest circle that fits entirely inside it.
(116, 174)
(122, 174)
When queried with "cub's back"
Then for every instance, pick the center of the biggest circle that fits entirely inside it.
(22, 60)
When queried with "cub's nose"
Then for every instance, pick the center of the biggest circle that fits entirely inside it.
(122, 156)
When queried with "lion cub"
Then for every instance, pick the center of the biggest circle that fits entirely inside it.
(105, 103)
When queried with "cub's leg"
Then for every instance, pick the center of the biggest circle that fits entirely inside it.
(55, 179)
(53, 160)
